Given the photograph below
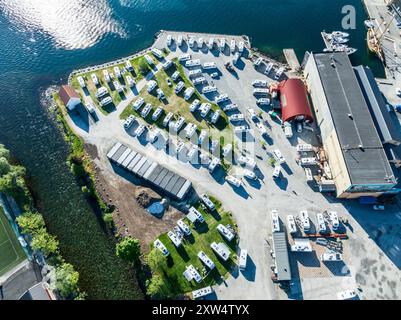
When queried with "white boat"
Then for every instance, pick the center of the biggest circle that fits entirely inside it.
(369, 24)
(340, 34)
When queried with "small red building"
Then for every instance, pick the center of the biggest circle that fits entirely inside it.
(294, 101)
(69, 97)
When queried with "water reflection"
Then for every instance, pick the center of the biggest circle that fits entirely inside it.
(73, 24)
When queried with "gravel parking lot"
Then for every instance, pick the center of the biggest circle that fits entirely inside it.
(252, 202)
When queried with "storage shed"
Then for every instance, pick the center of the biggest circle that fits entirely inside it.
(294, 101)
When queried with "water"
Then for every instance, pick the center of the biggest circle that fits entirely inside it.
(41, 41)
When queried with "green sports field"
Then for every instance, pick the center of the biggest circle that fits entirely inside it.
(11, 252)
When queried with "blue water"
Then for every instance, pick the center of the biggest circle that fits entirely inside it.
(41, 41)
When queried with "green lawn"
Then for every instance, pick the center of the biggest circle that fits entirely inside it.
(180, 107)
(11, 252)
(117, 97)
(202, 236)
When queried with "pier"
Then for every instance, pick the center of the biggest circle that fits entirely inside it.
(292, 59)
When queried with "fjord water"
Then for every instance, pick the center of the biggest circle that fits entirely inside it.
(41, 41)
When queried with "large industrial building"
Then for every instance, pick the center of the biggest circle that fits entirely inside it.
(353, 147)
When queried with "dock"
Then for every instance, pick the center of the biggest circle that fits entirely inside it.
(292, 59)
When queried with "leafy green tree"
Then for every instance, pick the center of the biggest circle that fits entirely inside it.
(129, 249)
(156, 261)
(108, 219)
(157, 287)
(67, 281)
(4, 153)
(143, 66)
(45, 242)
(31, 223)
(5, 167)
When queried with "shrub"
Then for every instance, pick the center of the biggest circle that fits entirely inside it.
(129, 249)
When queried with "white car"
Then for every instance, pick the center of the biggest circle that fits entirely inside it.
(378, 207)
(233, 181)
(398, 92)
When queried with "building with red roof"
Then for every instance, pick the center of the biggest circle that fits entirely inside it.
(69, 97)
(294, 101)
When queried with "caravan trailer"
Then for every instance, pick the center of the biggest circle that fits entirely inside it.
(275, 221)
(305, 220)
(242, 259)
(321, 223)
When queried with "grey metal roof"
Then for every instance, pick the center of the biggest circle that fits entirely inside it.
(377, 106)
(281, 253)
(362, 149)
(37, 292)
(161, 177)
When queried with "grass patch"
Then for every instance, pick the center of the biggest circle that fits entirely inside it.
(11, 253)
(79, 162)
(202, 236)
(116, 96)
(177, 105)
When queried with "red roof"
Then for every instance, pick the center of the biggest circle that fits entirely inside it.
(67, 93)
(294, 100)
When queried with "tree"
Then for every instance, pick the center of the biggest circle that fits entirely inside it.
(4, 153)
(129, 249)
(156, 261)
(108, 219)
(156, 287)
(143, 66)
(5, 167)
(45, 242)
(67, 281)
(31, 223)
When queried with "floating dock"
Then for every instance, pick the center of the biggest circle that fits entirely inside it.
(152, 172)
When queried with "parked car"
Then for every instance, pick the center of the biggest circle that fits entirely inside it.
(378, 207)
